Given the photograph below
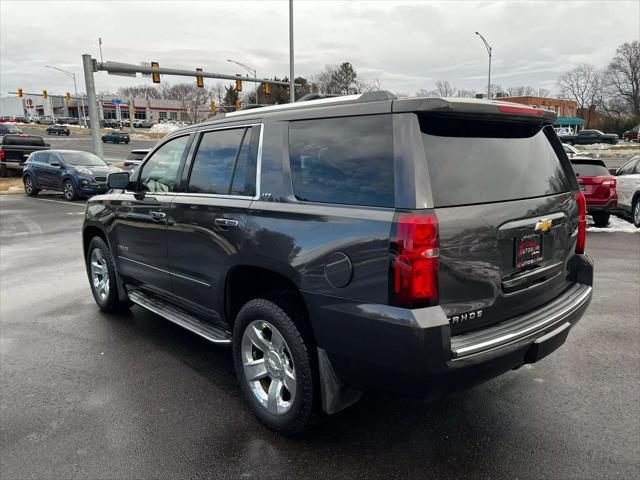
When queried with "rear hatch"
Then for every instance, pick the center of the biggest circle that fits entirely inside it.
(507, 213)
(595, 181)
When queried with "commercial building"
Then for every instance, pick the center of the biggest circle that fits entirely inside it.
(567, 110)
(110, 107)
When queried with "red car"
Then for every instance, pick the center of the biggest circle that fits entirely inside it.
(631, 135)
(598, 186)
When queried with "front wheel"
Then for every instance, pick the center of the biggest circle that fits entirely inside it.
(29, 186)
(102, 276)
(601, 220)
(69, 190)
(274, 365)
(636, 212)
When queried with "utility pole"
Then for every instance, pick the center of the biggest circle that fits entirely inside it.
(292, 87)
(488, 47)
(94, 114)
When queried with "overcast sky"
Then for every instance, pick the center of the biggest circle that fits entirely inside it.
(404, 45)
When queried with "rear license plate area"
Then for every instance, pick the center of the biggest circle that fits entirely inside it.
(528, 250)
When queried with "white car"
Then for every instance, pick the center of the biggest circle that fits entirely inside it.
(628, 187)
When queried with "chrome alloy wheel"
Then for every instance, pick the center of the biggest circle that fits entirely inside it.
(28, 185)
(636, 213)
(99, 274)
(268, 367)
(68, 190)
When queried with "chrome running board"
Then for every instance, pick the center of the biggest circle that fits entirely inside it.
(179, 317)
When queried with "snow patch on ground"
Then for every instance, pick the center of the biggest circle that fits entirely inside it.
(615, 225)
(163, 128)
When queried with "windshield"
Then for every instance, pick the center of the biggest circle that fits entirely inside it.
(82, 159)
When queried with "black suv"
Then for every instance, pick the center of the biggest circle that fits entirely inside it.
(58, 130)
(365, 242)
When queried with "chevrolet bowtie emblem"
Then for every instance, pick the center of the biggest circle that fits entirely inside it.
(543, 225)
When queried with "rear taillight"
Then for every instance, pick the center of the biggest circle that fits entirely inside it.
(2, 154)
(610, 183)
(582, 222)
(414, 260)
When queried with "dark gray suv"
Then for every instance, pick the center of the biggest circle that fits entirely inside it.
(340, 245)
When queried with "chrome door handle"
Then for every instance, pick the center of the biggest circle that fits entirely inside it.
(226, 222)
(158, 215)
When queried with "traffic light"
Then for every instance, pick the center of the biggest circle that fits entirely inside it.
(239, 85)
(214, 107)
(20, 92)
(45, 95)
(199, 80)
(155, 75)
(266, 88)
(67, 95)
(237, 104)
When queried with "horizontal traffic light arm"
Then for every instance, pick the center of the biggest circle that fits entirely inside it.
(117, 67)
(49, 94)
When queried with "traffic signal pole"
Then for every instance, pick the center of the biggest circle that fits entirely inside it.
(92, 99)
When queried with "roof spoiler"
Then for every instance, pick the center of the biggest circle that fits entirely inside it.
(475, 107)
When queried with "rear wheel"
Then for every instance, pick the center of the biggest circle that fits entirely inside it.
(69, 190)
(102, 276)
(274, 365)
(30, 186)
(601, 219)
(3, 171)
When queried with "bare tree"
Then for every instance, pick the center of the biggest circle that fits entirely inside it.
(444, 89)
(622, 77)
(582, 84)
(339, 79)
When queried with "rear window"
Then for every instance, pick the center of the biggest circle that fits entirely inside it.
(589, 170)
(23, 140)
(473, 162)
(346, 160)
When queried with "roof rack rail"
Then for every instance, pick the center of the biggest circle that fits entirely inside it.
(316, 96)
(377, 95)
(318, 102)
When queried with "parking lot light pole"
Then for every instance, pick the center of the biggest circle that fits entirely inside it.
(488, 47)
(75, 87)
(250, 70)
(292, 87)
(94, 114)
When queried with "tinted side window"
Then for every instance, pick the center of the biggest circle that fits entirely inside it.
(473, 161)
(42, 157)
(346, 160)
(159, 172)
(244, 178)
(214, 161)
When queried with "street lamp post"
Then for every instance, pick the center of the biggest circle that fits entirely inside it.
(488, 47)
(75, 87)
(250, 70)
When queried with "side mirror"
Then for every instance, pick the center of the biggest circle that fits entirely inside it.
(613, 171)
(55, 164)
(119, 180)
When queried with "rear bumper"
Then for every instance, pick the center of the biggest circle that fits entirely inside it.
(607, 206)
(411, 352)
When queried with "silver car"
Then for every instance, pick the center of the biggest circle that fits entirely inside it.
(628, 187)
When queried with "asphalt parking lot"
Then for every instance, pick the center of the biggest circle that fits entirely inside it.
(82, 141)
(90, 395)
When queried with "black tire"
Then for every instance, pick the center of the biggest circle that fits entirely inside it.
(110, 302)
(3, 171)
(30, 186)
(69, 190)
(299, 343)
(601, 219)
(635, 212)
(126, 142)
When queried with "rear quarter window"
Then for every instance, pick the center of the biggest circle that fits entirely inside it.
(346, 160)
(472, 161)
